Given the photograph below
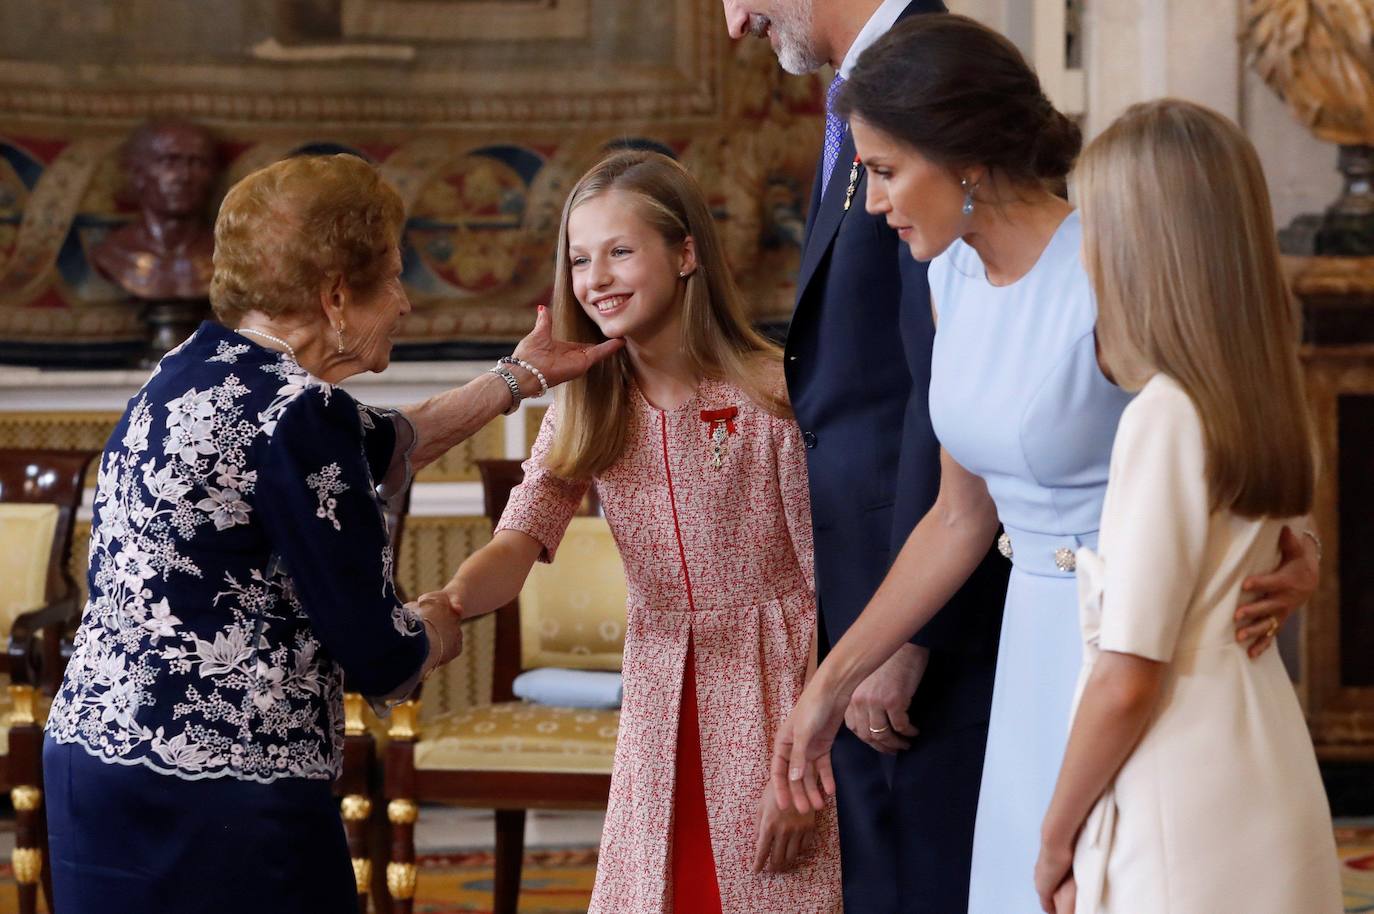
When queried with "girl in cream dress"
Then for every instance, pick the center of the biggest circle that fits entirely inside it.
(1189, 785)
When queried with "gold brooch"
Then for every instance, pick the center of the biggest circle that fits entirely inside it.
(853, 183)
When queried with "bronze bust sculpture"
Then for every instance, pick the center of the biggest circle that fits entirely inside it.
(166, 252)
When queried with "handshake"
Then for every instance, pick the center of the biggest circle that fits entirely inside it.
(442, 617)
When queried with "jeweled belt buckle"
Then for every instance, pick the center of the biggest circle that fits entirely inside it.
(1064, 558)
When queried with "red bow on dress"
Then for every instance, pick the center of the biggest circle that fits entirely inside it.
(726, 415)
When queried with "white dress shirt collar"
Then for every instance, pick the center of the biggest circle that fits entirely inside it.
(883, 18)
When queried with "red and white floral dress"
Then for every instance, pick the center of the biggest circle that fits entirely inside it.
(710, 510)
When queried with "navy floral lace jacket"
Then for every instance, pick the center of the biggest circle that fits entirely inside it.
(239, 567)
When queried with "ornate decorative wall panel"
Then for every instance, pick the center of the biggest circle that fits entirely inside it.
(482, 113)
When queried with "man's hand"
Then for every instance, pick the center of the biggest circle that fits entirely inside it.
(559, 360)
(1271, 598)
(877, 714)
(784, 834)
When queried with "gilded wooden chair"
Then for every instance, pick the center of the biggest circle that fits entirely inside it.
(40, 494)
(360, 782)
(512, 756)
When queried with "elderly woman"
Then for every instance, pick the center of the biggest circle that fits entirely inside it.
(240, 569)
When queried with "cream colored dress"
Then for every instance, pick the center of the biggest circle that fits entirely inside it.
(1220, 807)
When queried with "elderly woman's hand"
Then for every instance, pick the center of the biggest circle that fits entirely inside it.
(444, 626)
(559, 360)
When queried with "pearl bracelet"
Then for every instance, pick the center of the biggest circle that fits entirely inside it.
(538, 375)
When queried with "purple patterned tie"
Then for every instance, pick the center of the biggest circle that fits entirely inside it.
(834, 132)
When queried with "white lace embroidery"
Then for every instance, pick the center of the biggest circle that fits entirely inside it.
(228, 352)
(250, 703)
(326, 484)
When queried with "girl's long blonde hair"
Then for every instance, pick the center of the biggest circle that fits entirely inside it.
(717, 336)
(1179, 243)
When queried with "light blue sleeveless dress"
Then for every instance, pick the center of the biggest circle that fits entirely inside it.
(1017, 397)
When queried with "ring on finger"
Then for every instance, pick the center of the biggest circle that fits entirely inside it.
(1273, 627)
(883, 729)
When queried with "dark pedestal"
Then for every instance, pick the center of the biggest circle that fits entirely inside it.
(169, 323)
(1346, 229)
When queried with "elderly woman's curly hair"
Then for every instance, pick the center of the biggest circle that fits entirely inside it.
(286, 229)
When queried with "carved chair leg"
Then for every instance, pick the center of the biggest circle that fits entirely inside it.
(401, 811)
(28, 854)
(510, 858)
(26, 761)
(379, 840)
(400, 872)
(357, 812)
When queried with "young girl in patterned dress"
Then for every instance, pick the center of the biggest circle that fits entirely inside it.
(688, 437)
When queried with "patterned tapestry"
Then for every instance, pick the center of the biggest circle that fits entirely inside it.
(482, 113)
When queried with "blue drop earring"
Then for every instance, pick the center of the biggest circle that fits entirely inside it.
(968, 196)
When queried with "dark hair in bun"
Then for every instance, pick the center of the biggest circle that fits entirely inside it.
(961, 94)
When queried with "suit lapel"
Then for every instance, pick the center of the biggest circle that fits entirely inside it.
(825, 215)
(830, 213)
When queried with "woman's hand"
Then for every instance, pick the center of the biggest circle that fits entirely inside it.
(1277, 595)
(1054, 878)
(444, 624)
(559, 360)
(784, 833)
(801, 770)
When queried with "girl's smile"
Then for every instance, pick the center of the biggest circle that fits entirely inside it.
(623, 274)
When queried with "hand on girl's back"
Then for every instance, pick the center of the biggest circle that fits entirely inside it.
(1270, 599)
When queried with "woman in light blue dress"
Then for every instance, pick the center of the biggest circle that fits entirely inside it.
(964, 152)
(1043, 420)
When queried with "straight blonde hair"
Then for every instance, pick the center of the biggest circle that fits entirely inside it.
(1180, 246)
(717, 337)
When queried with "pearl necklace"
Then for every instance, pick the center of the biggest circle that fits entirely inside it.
(275, 339)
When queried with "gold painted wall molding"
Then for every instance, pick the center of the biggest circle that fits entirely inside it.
(66, 431)
(467, 20)
(437, 89)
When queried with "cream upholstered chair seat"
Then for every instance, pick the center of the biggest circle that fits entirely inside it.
(26, 540)
(572, 616)
(40, 493)
(520, 736)
(26, 535)
(12, 713)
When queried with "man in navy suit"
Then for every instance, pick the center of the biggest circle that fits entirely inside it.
(858, 372)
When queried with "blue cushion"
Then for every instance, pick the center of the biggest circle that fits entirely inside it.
(569, 688)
